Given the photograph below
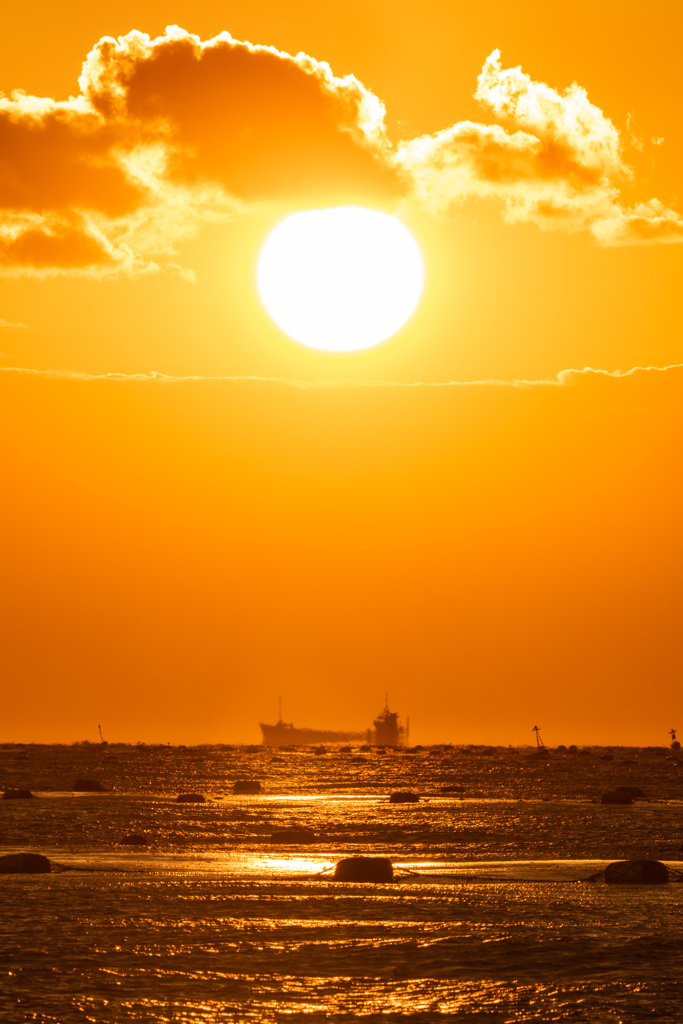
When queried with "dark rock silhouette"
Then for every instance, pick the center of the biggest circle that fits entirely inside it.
(246, 786)
(364, 869)
(190, 798)
(637, 872)
(613, 796)
(134, 839)
(633, 791)
(294, 835)
(88, 786)
(404, 798)
(319, 751)
(18, 794)
(24, 864)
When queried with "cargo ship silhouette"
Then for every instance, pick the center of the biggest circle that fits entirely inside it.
(386, 732)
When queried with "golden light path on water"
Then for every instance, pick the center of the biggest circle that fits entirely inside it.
(215, 920)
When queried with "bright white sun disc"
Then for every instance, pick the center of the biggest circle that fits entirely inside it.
(340, 279)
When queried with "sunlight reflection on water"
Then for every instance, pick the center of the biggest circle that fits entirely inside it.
(215, 920)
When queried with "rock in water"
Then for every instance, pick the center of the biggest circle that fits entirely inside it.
(614, 796)
(633, 791)
(364, 869)
(24, 864)
(404, 798)
(637, 872)
(88, 786)
(190, 798)
(134, 839)
(246, 786)
(17, 794)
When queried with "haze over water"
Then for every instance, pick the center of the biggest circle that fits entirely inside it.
(214, 921)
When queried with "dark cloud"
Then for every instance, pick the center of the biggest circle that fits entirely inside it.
(60, 157)
(66, 246)
(259, 122)
(170, 132)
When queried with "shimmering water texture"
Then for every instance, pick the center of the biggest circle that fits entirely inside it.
(490, 917)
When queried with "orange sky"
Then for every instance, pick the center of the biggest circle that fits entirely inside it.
(463, 516)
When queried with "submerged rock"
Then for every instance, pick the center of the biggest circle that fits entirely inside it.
(637, 872)
(190, 798)
(246, 786)
(134, 839)
(18, 794)
(614, 796)
(88, 786)
(404, 798)
(24, 864)
(364, 869)
(633, 791)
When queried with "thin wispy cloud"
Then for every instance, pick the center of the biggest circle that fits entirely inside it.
(564, 379)
(167, 134)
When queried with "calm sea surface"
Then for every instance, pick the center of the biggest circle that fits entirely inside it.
(490, 917)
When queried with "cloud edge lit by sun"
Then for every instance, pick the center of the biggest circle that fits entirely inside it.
(114, 180)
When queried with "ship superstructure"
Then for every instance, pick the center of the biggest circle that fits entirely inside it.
(387, 731)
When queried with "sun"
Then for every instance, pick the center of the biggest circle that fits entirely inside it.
(340, 279)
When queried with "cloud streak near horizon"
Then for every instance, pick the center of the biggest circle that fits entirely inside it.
(169, 133)
(564, 379)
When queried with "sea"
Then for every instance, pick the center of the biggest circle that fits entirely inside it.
(491, 916)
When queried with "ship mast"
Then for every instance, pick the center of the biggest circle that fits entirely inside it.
(279, 709)
(539, 742)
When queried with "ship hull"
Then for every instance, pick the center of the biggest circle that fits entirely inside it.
(283, 734)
